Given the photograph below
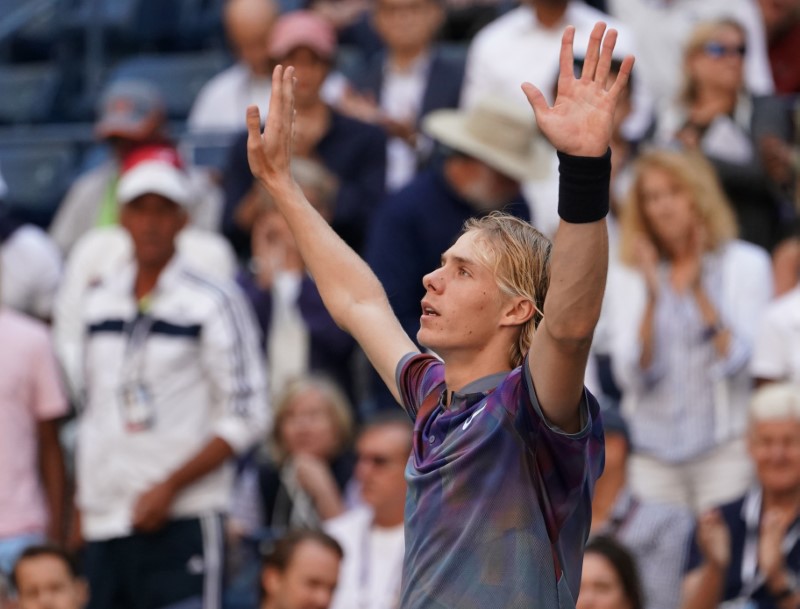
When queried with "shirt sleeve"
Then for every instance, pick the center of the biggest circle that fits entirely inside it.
(236, 369)
(771, 359)
(418, 375)
(49, 400)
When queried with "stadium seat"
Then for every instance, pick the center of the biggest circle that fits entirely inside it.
(29, 92)
(179, 76)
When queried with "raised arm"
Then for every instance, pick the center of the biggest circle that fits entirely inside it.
(351, 292)
(579, 125)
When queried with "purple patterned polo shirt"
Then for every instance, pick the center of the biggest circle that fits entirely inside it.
(499, 502)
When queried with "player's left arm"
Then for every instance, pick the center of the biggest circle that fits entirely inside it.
(579, 125)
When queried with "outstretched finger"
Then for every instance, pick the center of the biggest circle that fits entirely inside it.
(593, 51)
(622, 77)
(566, 58)
(606, 55)
(275, 114)
(535, 99)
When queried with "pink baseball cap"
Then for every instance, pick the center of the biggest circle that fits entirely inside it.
(302, 29)
(157, 170)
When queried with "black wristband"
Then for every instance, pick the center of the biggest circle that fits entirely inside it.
(583, 187)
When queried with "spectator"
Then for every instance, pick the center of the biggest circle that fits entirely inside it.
(408, 80)
(32, 479)
(782, 25)
(301, 571)
(131, 114)
(489, 150)
(313, 459)
(661, 30)
(299, 334)
(610, 579)
(46, 577)
(746, 553)
(174, 387)
(372, 535)
(221, 103)
(656, 534)
(776, 353)
(353, 151)
(745, 136)
(682, 310)
(30, 264)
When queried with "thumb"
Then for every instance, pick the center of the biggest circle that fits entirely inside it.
(535, 98)
(253, 123)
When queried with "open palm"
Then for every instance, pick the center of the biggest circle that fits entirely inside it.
(580, 121)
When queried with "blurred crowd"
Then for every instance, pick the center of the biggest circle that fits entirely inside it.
(185, 426)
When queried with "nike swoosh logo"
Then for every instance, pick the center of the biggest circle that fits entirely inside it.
(472, 416)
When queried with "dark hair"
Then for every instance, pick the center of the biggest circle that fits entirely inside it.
(624, 566)
(282, 551)
(46, 550)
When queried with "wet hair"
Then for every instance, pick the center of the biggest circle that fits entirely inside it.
(694, 174)
(624, 565)
(38, 551)
(519, 256)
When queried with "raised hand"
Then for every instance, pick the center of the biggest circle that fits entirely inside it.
(580, 122)
(714, 539)
(270, 154)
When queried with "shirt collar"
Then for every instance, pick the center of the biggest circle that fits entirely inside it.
(475, 391)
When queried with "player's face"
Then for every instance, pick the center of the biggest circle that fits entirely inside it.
(463, 304)
(44, 582)
(775, 449)
(601, 587)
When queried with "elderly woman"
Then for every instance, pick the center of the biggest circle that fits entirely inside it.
(746, 553)
(681, 308)
(745, 136)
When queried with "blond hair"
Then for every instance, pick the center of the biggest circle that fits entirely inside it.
(702, 34)
(696, 176)
(519, 256)
(339, 410)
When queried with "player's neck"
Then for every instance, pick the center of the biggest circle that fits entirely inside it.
(462, 369)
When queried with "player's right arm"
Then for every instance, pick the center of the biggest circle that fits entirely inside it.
(352, 294)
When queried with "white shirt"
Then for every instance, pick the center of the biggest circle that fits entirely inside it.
(373, 561)
(663, 28)
(401, 100)
(222, 103)
(159, 385)
(777, 347)
(30, 271)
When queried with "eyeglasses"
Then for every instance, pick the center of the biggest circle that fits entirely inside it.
(717, 50)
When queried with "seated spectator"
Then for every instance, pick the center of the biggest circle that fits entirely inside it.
(610, 578)
(776, 353)
(30, 265)
(174, 387)
(131, 115)
(408, 80)
(682, 309)
(299, 334)
(45, 577)
(746, 553)
(489, 150)
(301, 571)
(32, 478)
(737, 131)
(782, 26)
(372, 535)
(353, 151)
(313, 460)
(656, 534)
(662, 29)
(221, 103)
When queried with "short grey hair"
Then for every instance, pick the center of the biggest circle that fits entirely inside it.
(774, 402)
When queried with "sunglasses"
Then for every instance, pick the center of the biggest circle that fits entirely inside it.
(717, 50)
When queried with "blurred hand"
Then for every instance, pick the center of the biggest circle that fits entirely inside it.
(314, 475)
(776, 156)
(151, 510)
(341, 13)
(362, 106)
(581, 119)
(714, 539)
(774, 524)
(786, 265)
